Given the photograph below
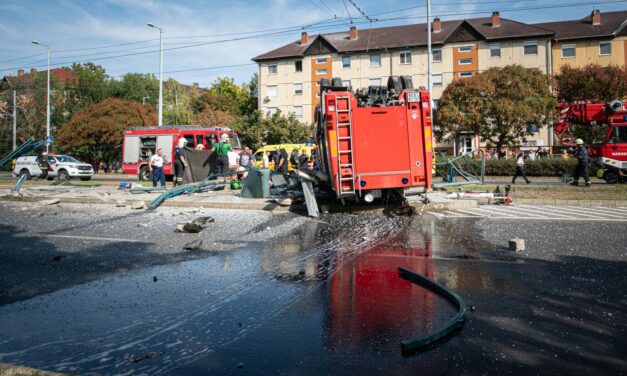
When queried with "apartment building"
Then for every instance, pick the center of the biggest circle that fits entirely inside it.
(599, 38)
(289, 75)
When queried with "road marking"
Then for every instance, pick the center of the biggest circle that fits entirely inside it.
(85, 238)
(603, 212)
(569, 213)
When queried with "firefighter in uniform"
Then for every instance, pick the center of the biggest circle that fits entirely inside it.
(583, 160)
(180, 162)
(43, 165)
(222, 156)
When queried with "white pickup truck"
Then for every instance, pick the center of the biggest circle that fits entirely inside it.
(63, 167)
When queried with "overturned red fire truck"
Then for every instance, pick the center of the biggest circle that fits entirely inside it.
(376, 141)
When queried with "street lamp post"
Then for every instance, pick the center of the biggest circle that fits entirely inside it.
(47, 97)
(160, 71)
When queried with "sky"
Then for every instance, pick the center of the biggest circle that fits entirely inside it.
(207, 39)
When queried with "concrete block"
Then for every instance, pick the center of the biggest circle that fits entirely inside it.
(52, 201)
(516, 245)
(138, 205)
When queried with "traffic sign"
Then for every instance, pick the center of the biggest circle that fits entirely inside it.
(48, 139)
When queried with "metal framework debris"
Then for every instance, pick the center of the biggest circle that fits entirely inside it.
(454, 324)
(462, 167)
(27, 146)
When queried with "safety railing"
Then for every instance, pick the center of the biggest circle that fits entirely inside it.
(461, 170)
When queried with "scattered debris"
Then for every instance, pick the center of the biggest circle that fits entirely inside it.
(517, 245)
(155, 279)
(142, 225)
(52, 201)
(193, 245)
(472, 308)
(120, 204)
(59, 258)
(240, 365)
(194, 226)
(139, 358)
(138, 205)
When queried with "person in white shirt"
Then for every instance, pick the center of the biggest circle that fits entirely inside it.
(520, 168)
(233, 162)
(266, 159)
(155, 165)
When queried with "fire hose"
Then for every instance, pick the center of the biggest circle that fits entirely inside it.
(457, 322)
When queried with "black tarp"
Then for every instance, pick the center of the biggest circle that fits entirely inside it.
(200, 163)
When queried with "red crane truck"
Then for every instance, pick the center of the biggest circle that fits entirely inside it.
(142, 142)
(374, 142)
(609, 150)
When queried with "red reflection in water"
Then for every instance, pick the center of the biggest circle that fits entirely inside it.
(369, 303)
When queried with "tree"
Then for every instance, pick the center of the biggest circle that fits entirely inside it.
(285, 129)
(499, 105)
(177, 102)
(591, 82)
(96, 132)
(214, 118)
(138, 87)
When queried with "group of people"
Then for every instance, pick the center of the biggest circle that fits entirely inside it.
(282, 160)
(581, 170)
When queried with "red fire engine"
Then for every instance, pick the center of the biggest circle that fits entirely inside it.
(610, 121)
(375, 141)
(141, 143)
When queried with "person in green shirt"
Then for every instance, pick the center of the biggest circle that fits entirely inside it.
(222, 155)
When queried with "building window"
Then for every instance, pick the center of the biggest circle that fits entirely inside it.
(465, 74)
(298, 89)
(436, 56)
(495, 50)
(436, 104)
(317, 95)
(321, 71)
(375, 60)
(272, 69)
(436, 79)
(465, 49)
(346, 62)
(569, 51)
(605, 48)
(375, 82)
(346, 83)
(465, 61)
(298, 111)
(271, 111)
(531, 48)
(298, 66)
(322, 60)
(272, 91)
(406, 57)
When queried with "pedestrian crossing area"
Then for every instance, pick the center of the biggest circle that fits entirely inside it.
(533, 212)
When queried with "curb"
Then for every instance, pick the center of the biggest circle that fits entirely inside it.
(265, 206)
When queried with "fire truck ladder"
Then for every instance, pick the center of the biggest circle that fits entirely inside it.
(345, 171)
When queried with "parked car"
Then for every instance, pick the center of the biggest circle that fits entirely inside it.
(63, 167)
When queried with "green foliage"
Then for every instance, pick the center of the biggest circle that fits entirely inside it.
(138, 87)
(285, 129)
(177, 102)
(538, 167)
(499, 105)
(592, 82)
(96, 132)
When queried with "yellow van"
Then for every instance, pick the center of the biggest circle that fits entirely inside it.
(288, 148)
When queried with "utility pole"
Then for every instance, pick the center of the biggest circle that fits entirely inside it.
(160, 71)
(14, 119)
(47, 98)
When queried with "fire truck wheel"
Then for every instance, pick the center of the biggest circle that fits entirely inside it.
(144, 174)
(611, 177)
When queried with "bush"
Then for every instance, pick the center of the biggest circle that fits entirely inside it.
(507, 167)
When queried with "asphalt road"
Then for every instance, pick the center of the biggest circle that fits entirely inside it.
(283, 294)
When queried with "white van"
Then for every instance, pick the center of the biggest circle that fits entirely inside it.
(64, 167)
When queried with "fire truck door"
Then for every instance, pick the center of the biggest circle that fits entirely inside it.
(165, 143)
(131, 149)
(616, 148)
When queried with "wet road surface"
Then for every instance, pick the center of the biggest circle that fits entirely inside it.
(272, 294)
